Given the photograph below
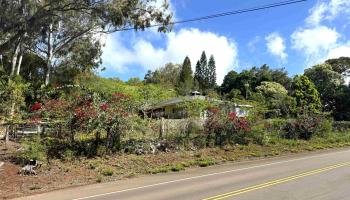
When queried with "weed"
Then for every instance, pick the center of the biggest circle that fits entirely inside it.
(205, 162)
(35, 187)
(107, 172)
(177, 167)
(99, 179)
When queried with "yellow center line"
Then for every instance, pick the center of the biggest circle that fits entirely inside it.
(278, 181)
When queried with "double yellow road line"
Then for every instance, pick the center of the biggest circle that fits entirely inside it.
(278, 181)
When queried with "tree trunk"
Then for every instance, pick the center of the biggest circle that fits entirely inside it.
(14, 59)
(49, 56)
(19, 63)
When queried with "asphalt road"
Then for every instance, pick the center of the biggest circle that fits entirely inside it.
(323, 176)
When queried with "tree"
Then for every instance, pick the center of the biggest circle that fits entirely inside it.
(339, 65)
(205, 73)
(52, 26)
(185, 83)
(167, 76)
(84, 55)
(342, 101)
(198, 75)
(306, 93)
(248, 80)
(212, 72)
(276, 98)
(326, 82)
(204, 80)
(269, 89)
(229, 82)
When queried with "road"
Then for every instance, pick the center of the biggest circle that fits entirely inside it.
(322, 175)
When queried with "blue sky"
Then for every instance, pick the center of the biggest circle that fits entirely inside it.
(294, 37)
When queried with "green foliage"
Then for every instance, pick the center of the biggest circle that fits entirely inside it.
(205, 74)
(229, 82)
(177, 167)
(68, 155)
(270, 89)
(211, 72)
(195, 107)
(107, 172)
(248, 80)
(277, 100)
(185, 83)
(63, 30)
(222, 129)
(306, 93)
(326, 82)
(306, 126)
(341, 126)
(12, 98)
(340, 64)
(167, 76)
(32, 149)
(341, 111)
(205, 162)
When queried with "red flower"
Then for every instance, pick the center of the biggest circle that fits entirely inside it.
(104, 106)
(232, 115)
(36, 106)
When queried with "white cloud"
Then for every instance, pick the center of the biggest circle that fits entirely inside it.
(275, 45)
(317, 41)
(186, 42)
(316, 14)
(328, 11)
(340, 51)
(314, 42)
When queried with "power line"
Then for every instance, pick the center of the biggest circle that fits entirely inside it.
(235, 12)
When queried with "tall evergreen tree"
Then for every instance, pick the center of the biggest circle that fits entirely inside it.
(185, 83)
(205, 72)
(212, 72)
(201, 74)
(198, 75)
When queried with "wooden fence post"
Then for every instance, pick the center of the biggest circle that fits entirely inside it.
(161, 131)
(7, 137)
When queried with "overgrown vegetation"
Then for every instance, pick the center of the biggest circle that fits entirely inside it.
(48, 80)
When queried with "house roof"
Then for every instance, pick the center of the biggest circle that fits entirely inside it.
(178, 100)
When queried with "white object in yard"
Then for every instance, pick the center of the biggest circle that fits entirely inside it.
(346, 77)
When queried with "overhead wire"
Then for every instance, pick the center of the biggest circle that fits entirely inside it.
(223, 14)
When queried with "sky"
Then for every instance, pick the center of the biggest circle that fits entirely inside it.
(293, 37)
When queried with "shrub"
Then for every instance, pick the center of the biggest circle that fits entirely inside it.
(32, 149)
(341, 125)
(68, 155)
(107, 172)
(307, 126)
(223, 128)
(177, 167)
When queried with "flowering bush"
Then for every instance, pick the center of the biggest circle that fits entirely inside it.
(306, 126)
(108, 115)
(36, 106)
(227, 128)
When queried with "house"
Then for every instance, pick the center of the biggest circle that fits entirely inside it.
(172, 109)
(346, 77)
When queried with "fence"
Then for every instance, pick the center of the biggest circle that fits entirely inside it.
(178, 126)
(16, 131)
